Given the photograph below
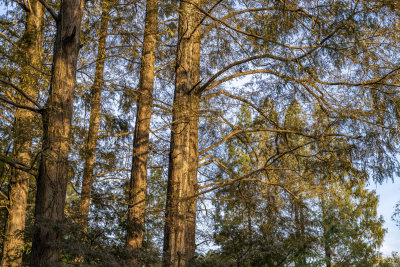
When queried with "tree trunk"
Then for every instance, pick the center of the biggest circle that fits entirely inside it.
(95, 105)
(326, 235)
(179, 236)
(299, 222)
(19, 185)
(138, 182)
(53, 171)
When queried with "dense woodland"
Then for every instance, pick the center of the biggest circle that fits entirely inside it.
(197, 132)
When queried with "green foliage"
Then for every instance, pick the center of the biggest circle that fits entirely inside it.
(294, 212)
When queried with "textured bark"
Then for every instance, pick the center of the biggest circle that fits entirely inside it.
(18, 189)
(190, 230)
(95, 105)
(179, 236)
(138, 182)
(53, 171)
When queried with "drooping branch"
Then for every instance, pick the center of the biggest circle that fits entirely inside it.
(18, 105)
(206, 85)
(17, 165)
(11, 42)
(255, 107)
(19, 90)
(23, 5)
(236, 132)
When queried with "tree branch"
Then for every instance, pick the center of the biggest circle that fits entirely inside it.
(51, 11)
(17, 165)
(23, 5)
(19, 106)
(19, 90)
(11, 42)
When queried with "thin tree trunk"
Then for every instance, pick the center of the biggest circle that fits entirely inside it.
(327, 248)
(18, 190)
(138, 182)
(53, 171)
(95, 105)
(179, 236)
(299, 235)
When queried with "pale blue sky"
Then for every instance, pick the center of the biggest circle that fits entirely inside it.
(389, 195)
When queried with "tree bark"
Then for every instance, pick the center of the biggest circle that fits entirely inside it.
(19, 185)
(95, 105)
(53, 171)
(138, 182)
(299, 222)
(180, 224)
(326, 237)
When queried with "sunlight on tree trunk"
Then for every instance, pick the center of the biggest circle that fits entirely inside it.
(13, 245)
(53, 171)
(138, 181)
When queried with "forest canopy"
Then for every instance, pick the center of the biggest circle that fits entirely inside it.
(197, 132)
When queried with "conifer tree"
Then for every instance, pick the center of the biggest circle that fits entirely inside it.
(138, 181)
(95, 104)
(30, 65)
(57, 118)
(179, 242)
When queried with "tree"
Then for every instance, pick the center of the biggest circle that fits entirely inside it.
(138, 181)
(276, 113)
(180, 214)
(30, 64)
(95, 103)
(57, 114)
(281, 215)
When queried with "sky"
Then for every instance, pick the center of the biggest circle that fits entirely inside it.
(389, 195)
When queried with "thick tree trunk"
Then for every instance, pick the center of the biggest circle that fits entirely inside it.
(138, 182)
(95, 105)
(19, 185)
(53, 170)
(190, 230)
(179, 236)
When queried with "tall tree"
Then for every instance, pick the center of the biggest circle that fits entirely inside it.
(138, 181)
(95, 105)
(57, 115)
(179, 235)
(30, 63)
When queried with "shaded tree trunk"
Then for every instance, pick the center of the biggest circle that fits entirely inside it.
(19, 184)
(299, 234)
(326, 238)
(95, 105)
(53, 171)
(138, 182)
(179, 236)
